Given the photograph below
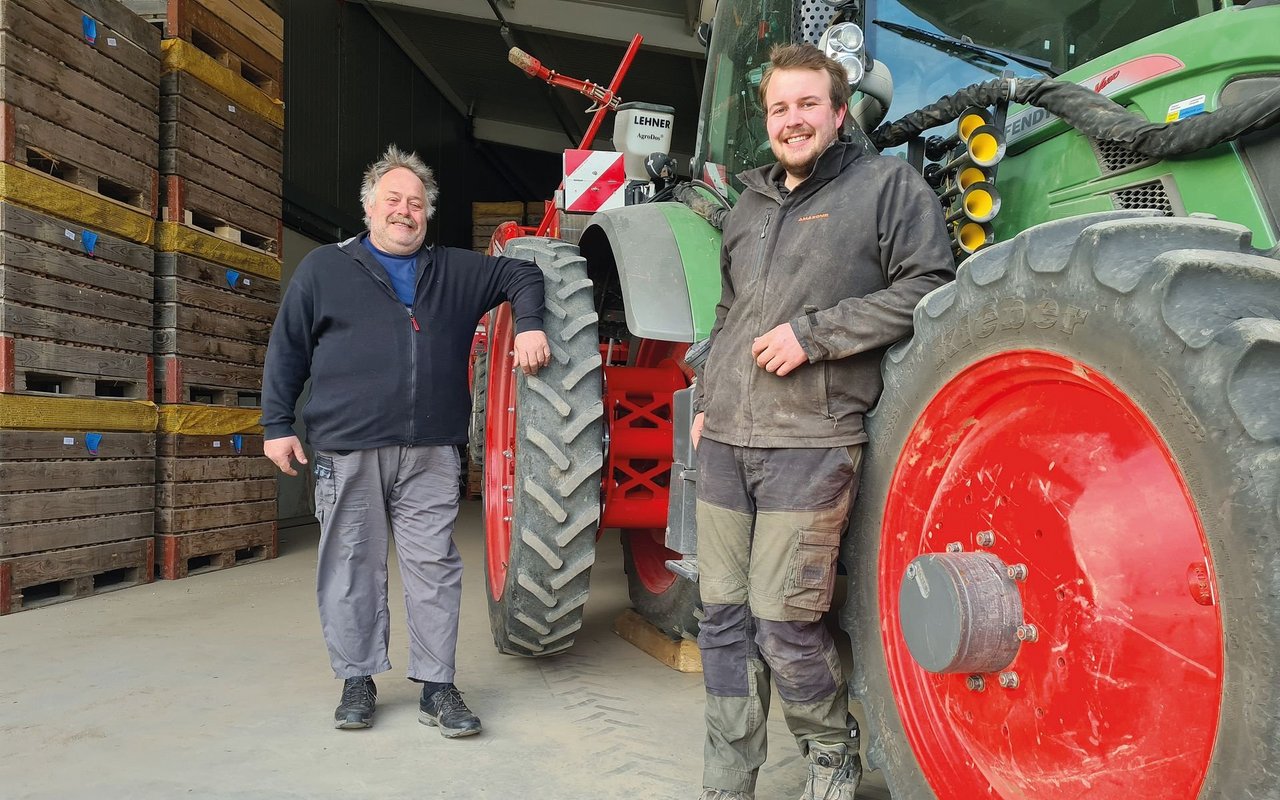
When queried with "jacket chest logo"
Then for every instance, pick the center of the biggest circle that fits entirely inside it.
(812, 217)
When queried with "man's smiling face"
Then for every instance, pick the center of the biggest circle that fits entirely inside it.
(398, 213)
(800, 119)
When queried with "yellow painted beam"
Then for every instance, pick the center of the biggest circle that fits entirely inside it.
(208, 420)
(174, 238)
(76, 413)
(58, 198)
(184, 56)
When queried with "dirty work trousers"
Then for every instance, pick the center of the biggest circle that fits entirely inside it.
(363, 499)
(769, 529)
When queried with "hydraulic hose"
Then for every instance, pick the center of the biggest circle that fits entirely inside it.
(700, 204)
(1094, 115)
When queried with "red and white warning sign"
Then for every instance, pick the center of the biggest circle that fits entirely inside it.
(593, 181)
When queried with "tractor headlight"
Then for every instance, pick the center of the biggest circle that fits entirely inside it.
(845, 43)
(845, 38)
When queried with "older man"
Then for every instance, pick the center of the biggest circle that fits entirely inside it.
(382, 325)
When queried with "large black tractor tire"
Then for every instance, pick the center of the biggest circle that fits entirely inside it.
(558, 457)
(676, 610)
(1183, 316)
(475, 431)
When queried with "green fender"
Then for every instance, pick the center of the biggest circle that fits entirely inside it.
(667, 260)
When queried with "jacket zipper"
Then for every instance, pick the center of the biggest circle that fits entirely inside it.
(413, 350)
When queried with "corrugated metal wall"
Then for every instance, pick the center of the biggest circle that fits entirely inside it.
(349, 92)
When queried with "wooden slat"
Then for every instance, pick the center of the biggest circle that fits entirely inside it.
(27, 289)
(137, 112)
(83, 162)
(171, 341)
(180, 555)
(183, 520)
(21, 476)
(26, 321)
(261, 228)
(18, 445)
(250, 23)
(217, 178)
(65, 265)
(123, 22)
(56, 27)
(172, 237)
(42, 536)
(74, 573)
(29, 224)
(71, 503)
(218, 299)
(214, 469)
(187, 380)
(195, 144)
(180, 55)
(53, 196)
(175, 268)
(189, 101)
(231, 45)
(210, 323)
(185, 445)
(27, 95)
(185, 495)
(102, 373)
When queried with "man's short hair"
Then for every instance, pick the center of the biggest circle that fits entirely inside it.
(395, 158)
(805, 56)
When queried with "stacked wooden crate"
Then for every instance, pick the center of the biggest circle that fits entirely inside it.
(78, 498)
(487, 216)
(221, 163)
(218, 278)
(79, 102)
(217, 286)
(215, 493)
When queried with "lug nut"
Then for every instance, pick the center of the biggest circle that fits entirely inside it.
(955, 547)
(1028, 633)
(1018, 572)
(913, 570)
(1009, 680)
(976, 683)
(986, 539)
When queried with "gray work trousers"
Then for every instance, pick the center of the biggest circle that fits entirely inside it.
(363, 499)
(769, 528)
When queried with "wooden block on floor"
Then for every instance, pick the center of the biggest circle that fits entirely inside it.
(181, 555)
(79, 96)
(184, 379)
(228, 34)
(681, 655)
(67, 488)
(42, 579)
(73, 309)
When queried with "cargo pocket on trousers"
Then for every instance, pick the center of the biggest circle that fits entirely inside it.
(812, 578)
(326, 492)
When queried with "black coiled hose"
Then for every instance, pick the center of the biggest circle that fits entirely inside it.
(1095, 116)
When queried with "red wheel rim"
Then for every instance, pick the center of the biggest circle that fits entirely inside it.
(1120, 694)
(649, 552)
(499, 449)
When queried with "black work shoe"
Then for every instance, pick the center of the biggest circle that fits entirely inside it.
(355, 710)
(446, 710)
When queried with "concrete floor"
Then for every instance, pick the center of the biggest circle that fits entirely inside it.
(218, 686)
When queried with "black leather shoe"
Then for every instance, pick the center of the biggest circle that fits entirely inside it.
(355, 709)
(446, 710)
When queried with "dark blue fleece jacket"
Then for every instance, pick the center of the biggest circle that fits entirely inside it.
(381, 373)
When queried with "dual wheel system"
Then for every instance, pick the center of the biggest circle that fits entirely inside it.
(1064, 562)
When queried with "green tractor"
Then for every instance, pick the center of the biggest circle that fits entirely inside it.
(1064, 563)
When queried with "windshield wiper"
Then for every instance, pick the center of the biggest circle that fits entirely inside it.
(960, 46)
